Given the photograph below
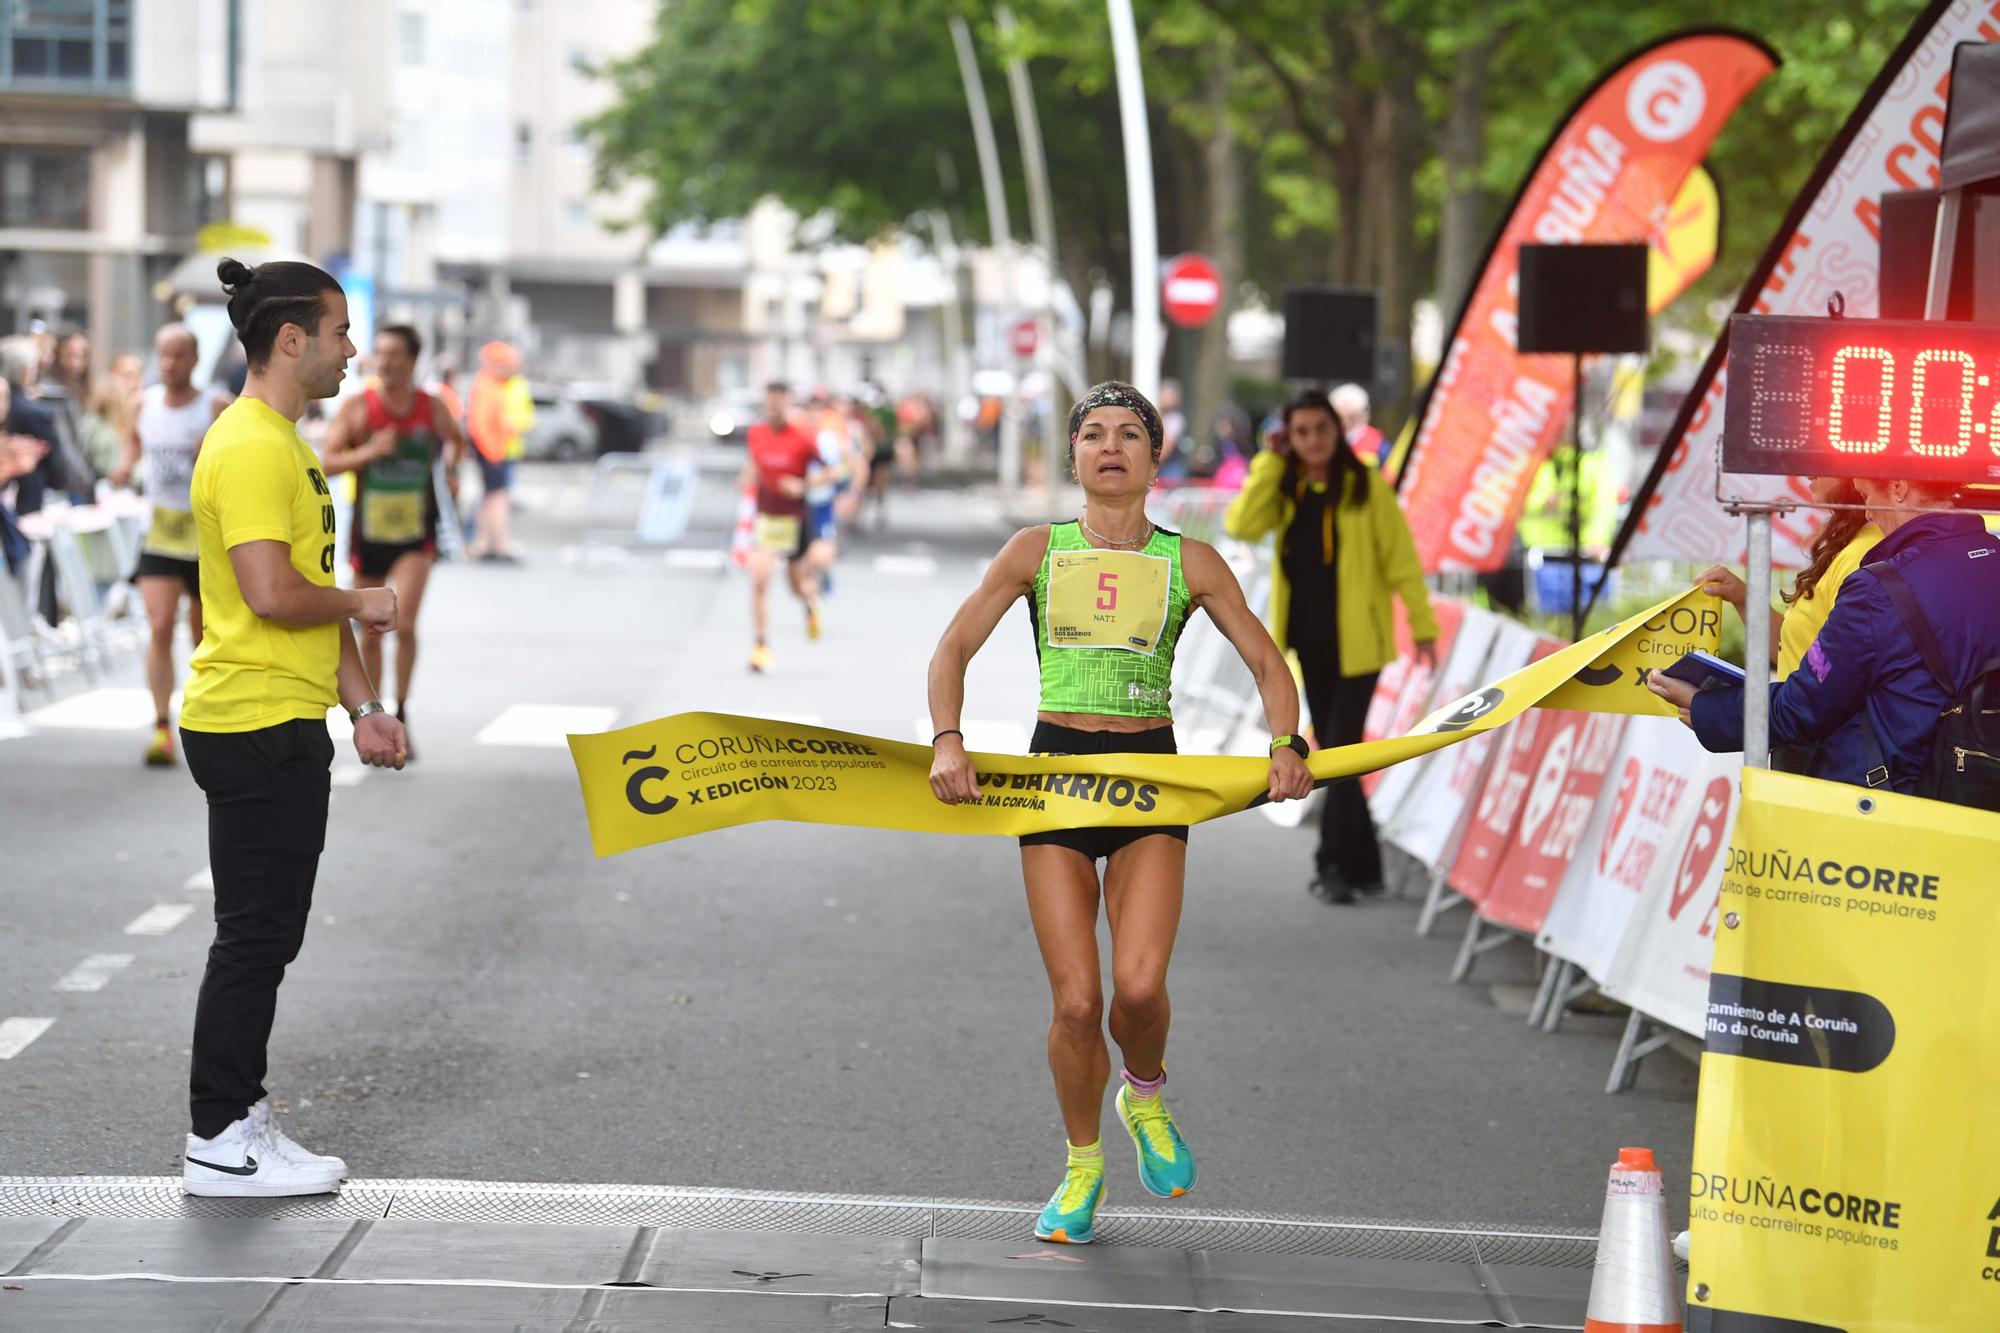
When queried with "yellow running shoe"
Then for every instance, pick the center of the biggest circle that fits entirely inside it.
(1071, 1215)
(814, 626)
(760, 659)
(160, 754)
(1166, 1165)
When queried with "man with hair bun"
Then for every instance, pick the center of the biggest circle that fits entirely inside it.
(275, 655)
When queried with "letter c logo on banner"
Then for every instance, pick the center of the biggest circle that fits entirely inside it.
(635, 786)
(1471, 708)
(1666, 101)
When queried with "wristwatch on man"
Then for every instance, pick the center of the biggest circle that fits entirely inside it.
(369, 709)
(1296, 744)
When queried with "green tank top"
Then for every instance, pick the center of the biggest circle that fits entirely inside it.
(1106, 623)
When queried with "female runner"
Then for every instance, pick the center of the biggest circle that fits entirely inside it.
(1108, 593)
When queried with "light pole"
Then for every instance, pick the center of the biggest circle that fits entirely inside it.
(1138, 201)
(996, 223)
(1041, 221)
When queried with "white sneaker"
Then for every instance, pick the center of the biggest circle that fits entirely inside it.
(241, 1161)
(264, 1124)
(1681, 1247)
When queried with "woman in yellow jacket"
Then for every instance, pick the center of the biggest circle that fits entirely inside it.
(1342, 548)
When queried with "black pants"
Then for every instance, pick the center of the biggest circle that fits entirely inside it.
(1339, 706)
(267, 793)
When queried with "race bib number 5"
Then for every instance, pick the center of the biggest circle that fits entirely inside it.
(1108, 599)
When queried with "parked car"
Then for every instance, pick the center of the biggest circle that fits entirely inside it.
(624, 424)
(562, 430)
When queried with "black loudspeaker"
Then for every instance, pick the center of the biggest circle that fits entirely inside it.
(1909, 234)
(1330, 334)
(1582, 298)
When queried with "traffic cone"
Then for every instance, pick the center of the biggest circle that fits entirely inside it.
(1632, 1282)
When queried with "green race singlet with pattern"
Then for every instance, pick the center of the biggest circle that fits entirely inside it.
(1106, 623)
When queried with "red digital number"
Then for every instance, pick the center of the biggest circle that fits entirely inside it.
(1107, 584)
(1957, 447)
(1886, 386)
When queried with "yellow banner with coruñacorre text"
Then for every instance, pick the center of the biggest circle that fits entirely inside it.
(696, 772)
(1846, 1169)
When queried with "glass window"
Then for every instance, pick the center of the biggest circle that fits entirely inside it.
(67, 44)
(45, 187)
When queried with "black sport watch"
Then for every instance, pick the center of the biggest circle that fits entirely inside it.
(1296, 744)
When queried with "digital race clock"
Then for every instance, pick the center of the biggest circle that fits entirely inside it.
(1862, 398)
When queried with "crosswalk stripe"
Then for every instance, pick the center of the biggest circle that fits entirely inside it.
(160, 918)
(94, 972)
(906, 566)
(696, 558)
(201, 881)
(544, 726)
(108, 708)
(349, 775)
(16, 1034)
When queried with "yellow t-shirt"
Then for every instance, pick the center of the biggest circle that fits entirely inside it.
(1807, 616)
(255, 480)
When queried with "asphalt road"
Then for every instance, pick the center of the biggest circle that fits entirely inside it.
(777, 1006)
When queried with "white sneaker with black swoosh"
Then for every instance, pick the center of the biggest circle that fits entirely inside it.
(244, 1160)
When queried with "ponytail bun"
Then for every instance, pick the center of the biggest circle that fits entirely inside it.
(235, 275)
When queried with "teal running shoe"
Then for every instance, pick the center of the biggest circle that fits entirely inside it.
(1071, 1215)
(1166, 1166)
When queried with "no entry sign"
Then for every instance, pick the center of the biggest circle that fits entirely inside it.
(1025, 337)
(1191, 290)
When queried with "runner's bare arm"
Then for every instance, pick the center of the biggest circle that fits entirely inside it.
(128, 457)
(346, 447)
(1213, 588)
(1010, 577)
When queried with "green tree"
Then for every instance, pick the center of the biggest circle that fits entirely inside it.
(1369, 141)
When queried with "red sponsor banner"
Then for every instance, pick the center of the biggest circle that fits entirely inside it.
(1828, 246)
(1517, 758)
(1554, 819)
(1403, 690)
(1611, 174)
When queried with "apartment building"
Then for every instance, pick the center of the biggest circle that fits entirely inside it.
(101, 186)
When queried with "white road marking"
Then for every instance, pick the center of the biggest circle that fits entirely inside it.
(201, 881)
(796, 719)
(160, 918)
(696, 558)
(16, 1034)
(93, 972)
(110, 708)
(544, 726)
(993, 737)
(349, 775)
(906, 566)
